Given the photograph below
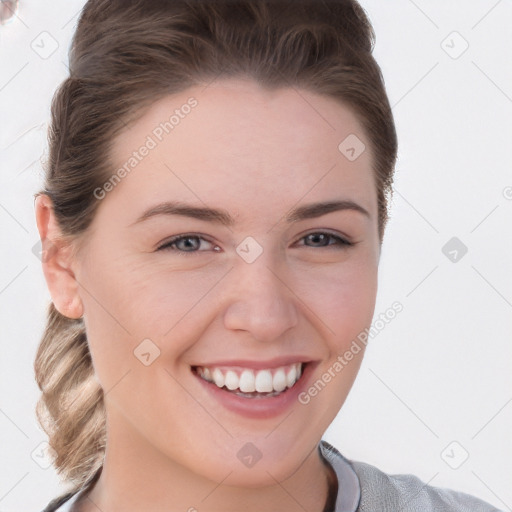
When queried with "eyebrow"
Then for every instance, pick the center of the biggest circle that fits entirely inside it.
(220, 216)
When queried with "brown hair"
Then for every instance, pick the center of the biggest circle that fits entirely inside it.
(126, 54)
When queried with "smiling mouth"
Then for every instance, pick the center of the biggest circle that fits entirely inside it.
(249, 383)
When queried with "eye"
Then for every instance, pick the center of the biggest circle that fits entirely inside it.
(192, 242)
(187, 247)
(322, 237)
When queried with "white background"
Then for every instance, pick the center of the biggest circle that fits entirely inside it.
(440, 371)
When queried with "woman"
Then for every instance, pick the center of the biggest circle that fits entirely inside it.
(212, 218)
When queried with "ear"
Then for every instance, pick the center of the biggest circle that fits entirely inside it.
(57, 261)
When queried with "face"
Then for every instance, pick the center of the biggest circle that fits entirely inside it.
(207, 347)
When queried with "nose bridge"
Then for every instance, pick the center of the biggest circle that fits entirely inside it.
(262, 301)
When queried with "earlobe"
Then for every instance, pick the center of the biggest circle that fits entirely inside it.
(57, 259)
(72, 307)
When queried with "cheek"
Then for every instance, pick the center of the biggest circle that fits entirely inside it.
(126, 303)
(344, 303)
(343, 300)
(138, 298)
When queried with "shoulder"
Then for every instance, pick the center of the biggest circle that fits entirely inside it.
(408, 492)
(383, 492)
(62, 503)
(72, 500)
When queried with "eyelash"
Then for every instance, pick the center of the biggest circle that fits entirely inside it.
(341, 242)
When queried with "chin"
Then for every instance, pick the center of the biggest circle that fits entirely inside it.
(246, 469)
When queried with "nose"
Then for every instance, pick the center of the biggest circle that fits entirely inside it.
(262, 302)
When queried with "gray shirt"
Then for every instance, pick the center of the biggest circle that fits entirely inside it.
(361, 488)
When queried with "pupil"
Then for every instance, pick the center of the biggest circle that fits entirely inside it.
(187, 242)
(315, 237)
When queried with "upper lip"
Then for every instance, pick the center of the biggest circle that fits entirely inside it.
(257, 365)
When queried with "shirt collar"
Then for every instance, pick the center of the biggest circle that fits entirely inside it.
(349, 490)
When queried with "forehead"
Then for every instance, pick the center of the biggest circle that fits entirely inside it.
(241, 109)
(233, 139)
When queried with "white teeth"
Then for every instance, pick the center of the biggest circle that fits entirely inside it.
(249, 381)
(291, 376)
(232, 381)
(218, 377)
(247, 384)
(263, 381)
(279, 381)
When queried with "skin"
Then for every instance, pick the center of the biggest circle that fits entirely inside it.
(257, 154)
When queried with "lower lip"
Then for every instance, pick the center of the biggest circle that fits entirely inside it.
(259, 408)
